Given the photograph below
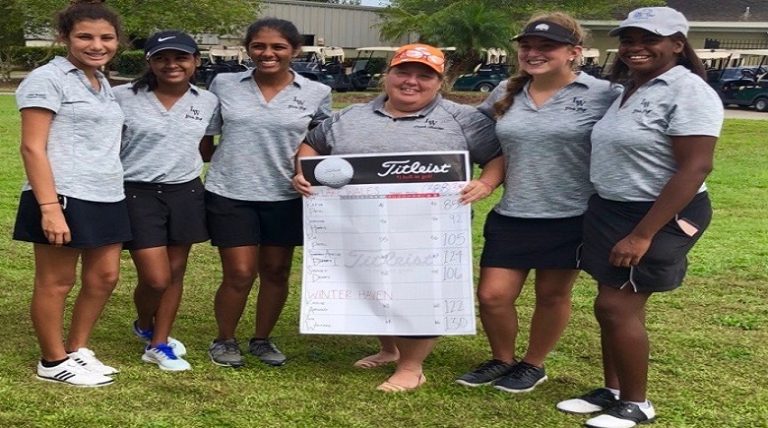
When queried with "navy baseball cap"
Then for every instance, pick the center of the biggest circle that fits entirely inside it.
(170, 40)
(549, 30)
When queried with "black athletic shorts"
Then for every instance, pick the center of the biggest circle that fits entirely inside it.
(235, 223)
(663, 267)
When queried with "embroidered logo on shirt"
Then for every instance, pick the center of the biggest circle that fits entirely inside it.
(297, 104)
(193, 114)
(429, 124)
(645, 104)
(577, 104)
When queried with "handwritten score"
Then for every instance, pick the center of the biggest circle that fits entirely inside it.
(387, 246)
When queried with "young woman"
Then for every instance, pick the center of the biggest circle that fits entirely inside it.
(72, 206)
(392, 123)
(254, 215)
(166, 119)
(544, 118)
(650, 155)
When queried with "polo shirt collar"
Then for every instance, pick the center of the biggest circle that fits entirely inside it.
(672, 74)
(378, 106)
(66, 66)
(298, 79)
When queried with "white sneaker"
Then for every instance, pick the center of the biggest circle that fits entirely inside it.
(165, 358)
(72, 373)
(146, 336)
(86, 358)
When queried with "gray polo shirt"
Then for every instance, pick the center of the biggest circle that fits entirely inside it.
(547, 147)
(254, 159)
(159, 145)
(632, 158)
(441, 126)
(83, 145)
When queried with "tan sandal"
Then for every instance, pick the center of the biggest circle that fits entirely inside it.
(373, 361)
(393, 387)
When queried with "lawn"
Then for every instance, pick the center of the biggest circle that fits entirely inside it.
(709, 339)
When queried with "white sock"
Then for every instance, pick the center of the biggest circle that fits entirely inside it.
(615, 392)
(641, 404)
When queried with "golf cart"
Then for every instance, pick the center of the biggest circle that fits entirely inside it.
(750, 87)
(370, 63)
(324, 64)
(486, 75)
(590, 63)
(221, 59)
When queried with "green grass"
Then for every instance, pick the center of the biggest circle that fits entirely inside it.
(708, 339)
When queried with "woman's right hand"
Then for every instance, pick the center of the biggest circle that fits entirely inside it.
(301, 185)
(55, 225)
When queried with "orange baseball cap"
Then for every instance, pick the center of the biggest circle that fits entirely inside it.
(421, 53)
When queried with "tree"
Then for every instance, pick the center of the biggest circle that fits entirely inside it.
(11, 34)
(142, 17)
(470, 25)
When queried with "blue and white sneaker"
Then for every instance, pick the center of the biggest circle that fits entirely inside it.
(146, 336)
(165, 358)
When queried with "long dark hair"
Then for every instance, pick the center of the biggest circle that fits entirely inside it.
(285, 28)
(516, 83)
(81, 10)
(687, 58)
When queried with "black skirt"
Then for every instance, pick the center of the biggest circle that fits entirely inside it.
(531, 243)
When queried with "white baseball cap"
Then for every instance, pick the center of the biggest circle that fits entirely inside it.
(663, 21)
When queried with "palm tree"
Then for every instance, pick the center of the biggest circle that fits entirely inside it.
(467, 25)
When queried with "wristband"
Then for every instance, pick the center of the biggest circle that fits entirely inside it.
(47, 203)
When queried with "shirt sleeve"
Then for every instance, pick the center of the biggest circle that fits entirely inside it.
(323, 112)
(480, 132)
(486, 107)
(41, 89)
(699, 111)
(317, 138)
(214, 125)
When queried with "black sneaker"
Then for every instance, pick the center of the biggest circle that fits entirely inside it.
(485, 373)
(594, 401)
(522, 377)
(623, 415)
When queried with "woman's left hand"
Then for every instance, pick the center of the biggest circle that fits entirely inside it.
(629, 251)
(474, 191)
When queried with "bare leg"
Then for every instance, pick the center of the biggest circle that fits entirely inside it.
(553, 309)
(100, 271)
(497, 292)
(239, 266)
(55, 272)
(388, 353)
(274, 269)
(409, 371)
(158, 292)
(621, 314)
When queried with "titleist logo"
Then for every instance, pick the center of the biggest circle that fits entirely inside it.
(408, 167)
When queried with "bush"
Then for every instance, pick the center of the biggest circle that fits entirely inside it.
(31, 57)
(130, 63)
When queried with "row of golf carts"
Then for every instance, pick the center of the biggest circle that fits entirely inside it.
(739, 76)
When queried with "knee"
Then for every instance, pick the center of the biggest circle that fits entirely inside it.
(554, 300)
(608, 312)
(275, 274)
(157, 284)
(102, 281)
(55, 285)
(494, 297)
(239, 279)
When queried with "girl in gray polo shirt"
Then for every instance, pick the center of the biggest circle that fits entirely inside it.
(650, 155)
(254, 215)
(166, 119)
(72, 206)
(544, 119)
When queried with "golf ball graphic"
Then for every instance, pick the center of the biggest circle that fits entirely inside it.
(334, 172)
